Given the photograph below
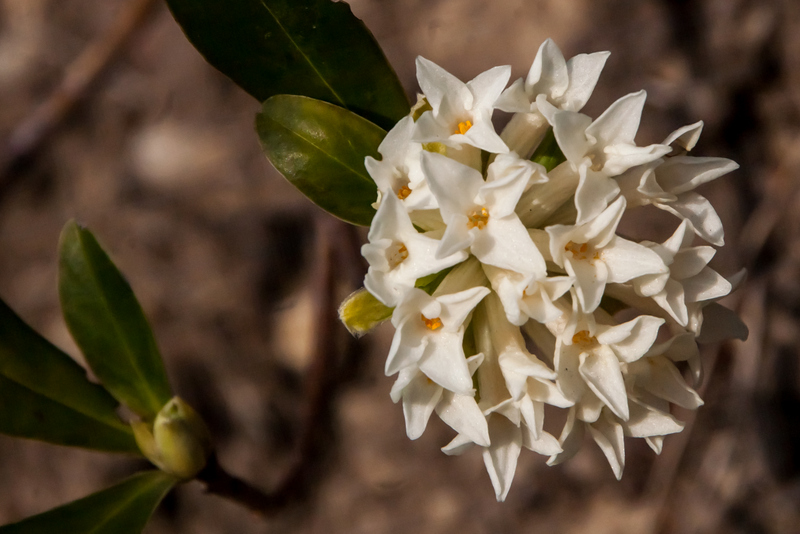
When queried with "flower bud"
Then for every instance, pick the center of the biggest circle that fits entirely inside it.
(361, 312)
(178, 442)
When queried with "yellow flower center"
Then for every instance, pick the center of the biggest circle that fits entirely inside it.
(396, 254)
(478, 218)
(403, 192)
(583, 338)
(463, 127)
(431, 324)
(581, 251)
(597, 162)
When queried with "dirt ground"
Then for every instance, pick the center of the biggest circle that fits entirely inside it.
(161, 161)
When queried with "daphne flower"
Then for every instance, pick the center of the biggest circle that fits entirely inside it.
(421, 397)
(600, 149)
(565, 84)
(689, 278)
(480, 215)
(594, 255)
(429, 335)
(528, 297)
(711, 322)
(398, 254)
(461, 113)
(670, 185)
(655, 377)
(398, 172)
(592, 360)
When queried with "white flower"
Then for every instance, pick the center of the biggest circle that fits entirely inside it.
(594, 255)
(565, 84)
(593, 360)
(711, 322)
(398, 254)
(669, 185)
(655, 380)
(689, 278)
(429, 335)
(528, 297)
(480, 215)
(421, 397)
(398, 172)
(461, 113)
(600, 149)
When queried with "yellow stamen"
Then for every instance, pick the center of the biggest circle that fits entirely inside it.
(396, 255)
(597, 163)
(478, 218)
(580, 251)
(431, 324)
(403, 192)
(583, 338)
(463, 127)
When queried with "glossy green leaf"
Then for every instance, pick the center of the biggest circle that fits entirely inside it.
(320, 148)
(108, 324)
(45, 395)
(315, 48)
(121, 509)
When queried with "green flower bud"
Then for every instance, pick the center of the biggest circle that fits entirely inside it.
(361, 312)
(178, 442)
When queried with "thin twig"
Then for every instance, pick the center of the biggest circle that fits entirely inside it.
(80, 75)
(220, 482)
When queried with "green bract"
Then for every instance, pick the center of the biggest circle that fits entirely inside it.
(121, 509)
(320, 148)
(316, 48)
(108, 324)
(361, 312)
(45, 395)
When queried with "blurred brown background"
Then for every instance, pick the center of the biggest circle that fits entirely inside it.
(160, 160)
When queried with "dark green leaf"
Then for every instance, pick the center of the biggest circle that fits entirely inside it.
(121, 509)
(320, 148)
(315, 48)
(45, 395)
(108, 324)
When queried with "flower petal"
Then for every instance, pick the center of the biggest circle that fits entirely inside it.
(584, 71)
(501, 457)
(608, 435)
(420, 397)
(487, 86)
(462, 414)
(600, 369)
(570, 440)
(700, 214)
(627, 260)
(620, 122)
(436, 82)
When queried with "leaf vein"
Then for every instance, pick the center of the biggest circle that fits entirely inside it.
(300, 50)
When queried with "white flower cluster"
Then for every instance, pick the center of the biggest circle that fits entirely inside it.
(504, 275)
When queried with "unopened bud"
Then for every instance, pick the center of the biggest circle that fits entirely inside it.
(361, 312)
(178, 442)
